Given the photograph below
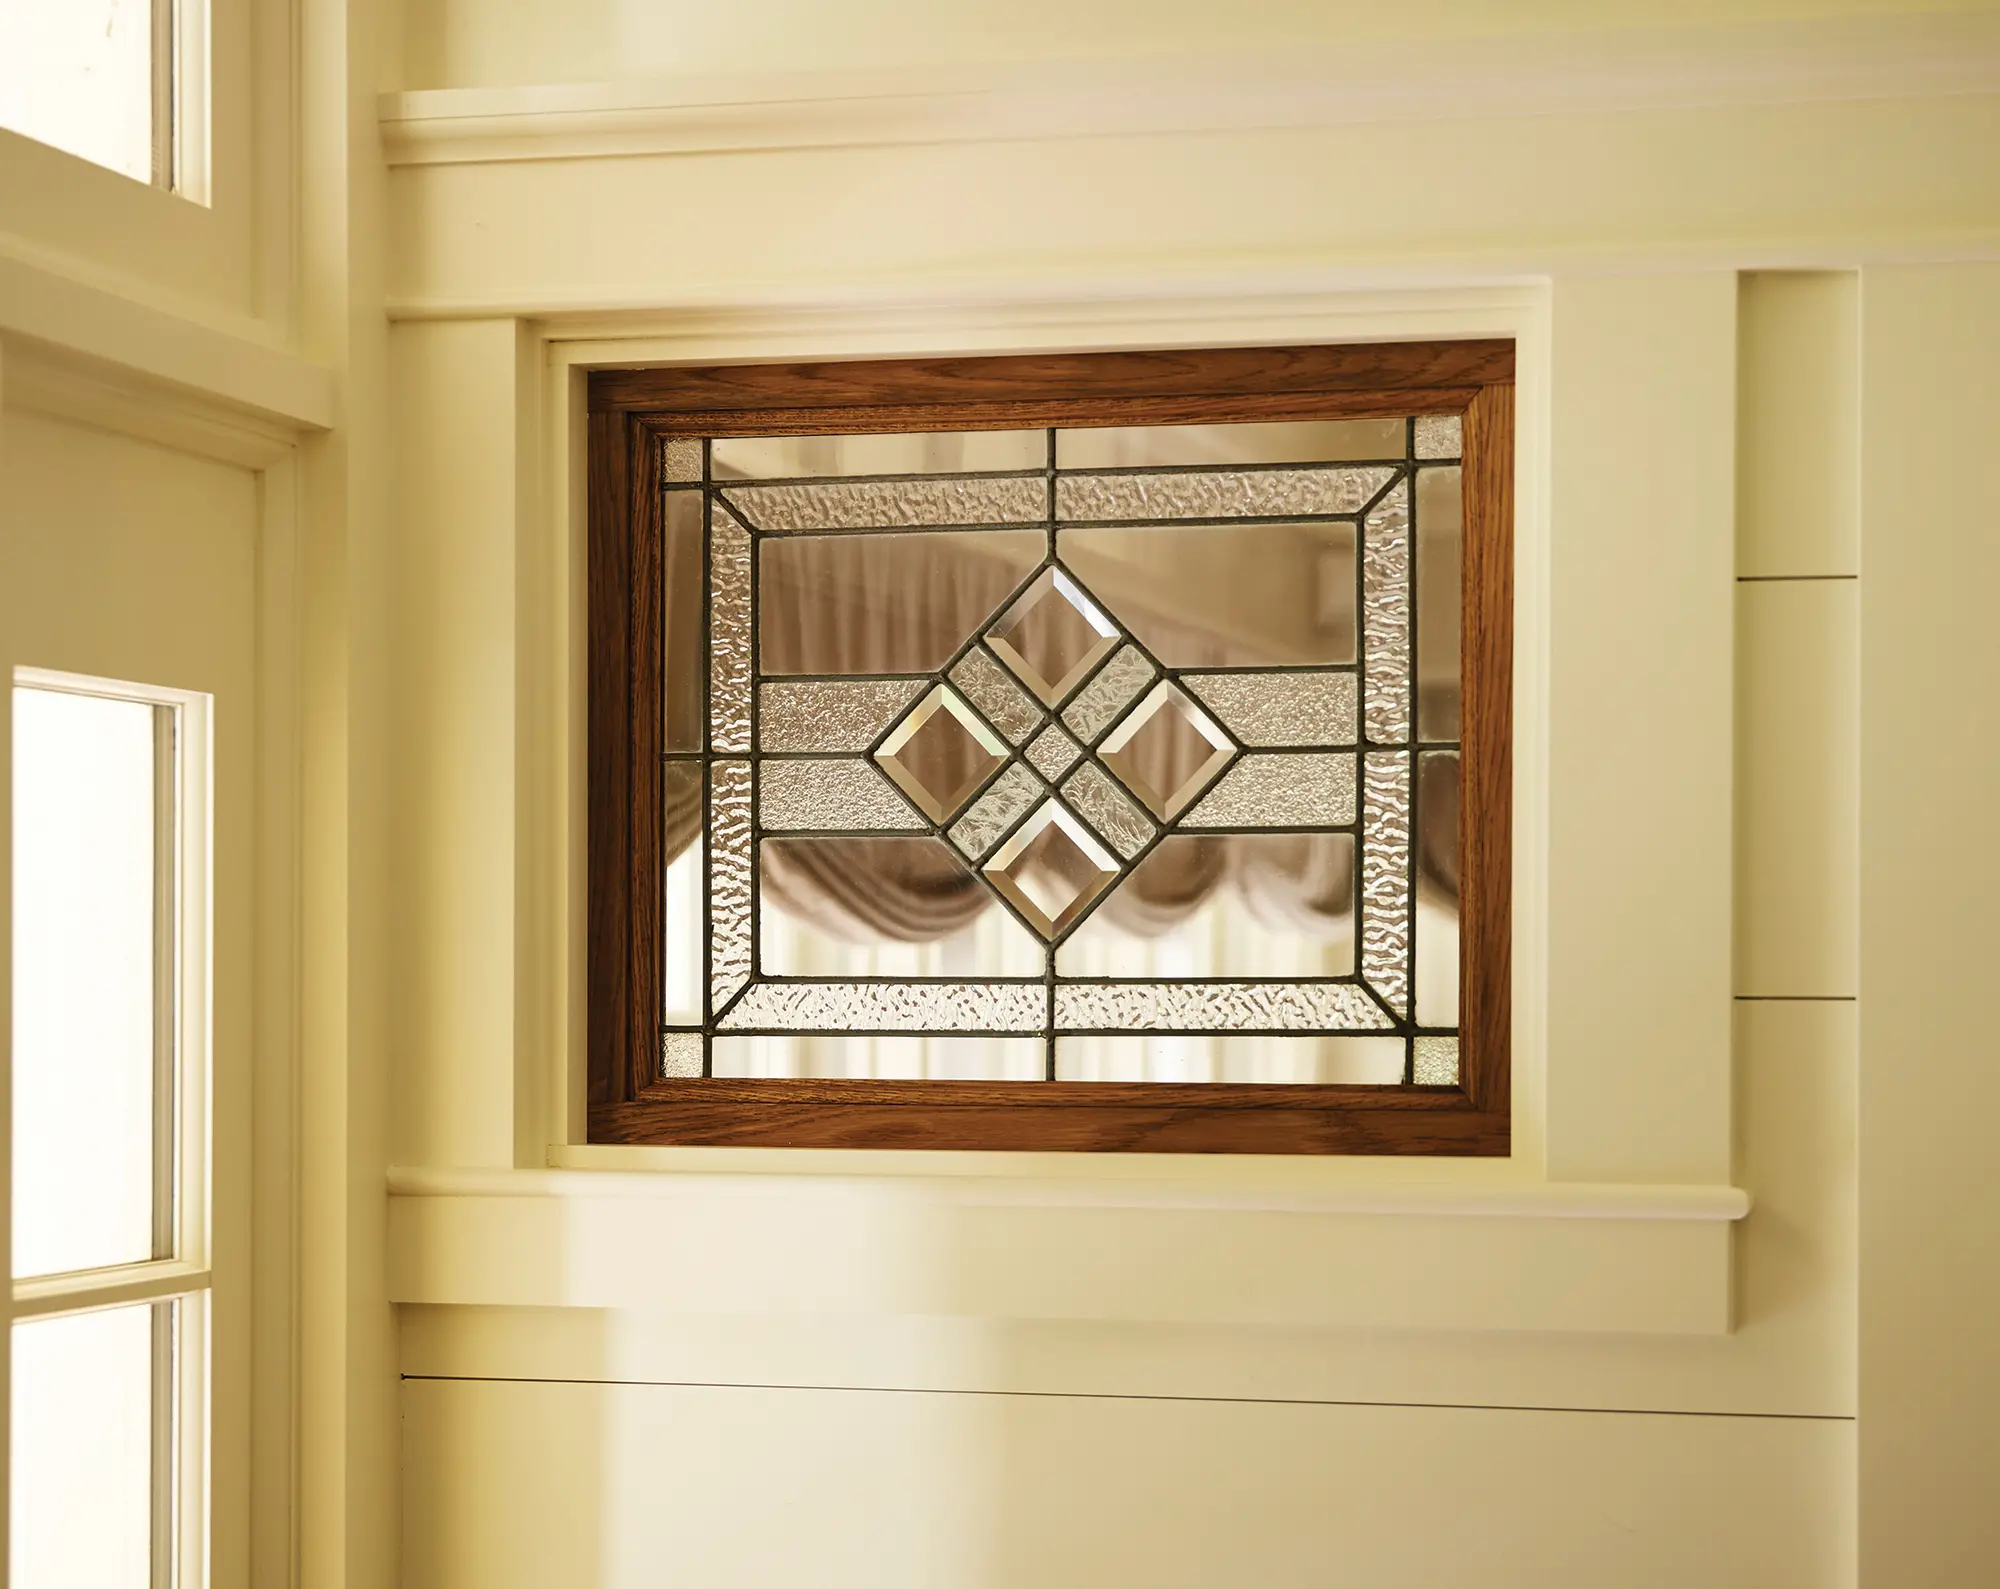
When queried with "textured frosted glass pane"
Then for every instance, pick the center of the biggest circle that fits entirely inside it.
(1280, 791)
(932, 452)
(1438, 436)
(1006, 801)
(1287, 441)
(1436, 1062)
(1262, 904)
(84, 981)
(729, 634)
(874, 604)
(1216, 1006)
(890, 1007)
(883, 1058)
(1267, 494)
(1385, 877)
(1102, 804)
(1053, 752)
(831, 796)
(1280, 708)
(680, 1055)
(683, 460)
(1116, 686)
(1440, 524)
(1304, 1061)
(682, 918)
(78, 74)
(1437, 888)
(82, 1448)
(830, 714)
(729, 880)
(992, 689)
(901, 907)
(681, 622)
(1224, 596)
(883, 504)
(1385, 617)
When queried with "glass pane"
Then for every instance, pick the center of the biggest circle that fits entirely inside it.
(680, 637)
(902, 907)
(1275, 905)
(1308, 441)
(78, 74)
(1116, 686)
(1439, 436)
(1216, 1007)
(1007, 800)
(1385, 603)
(1276, 790)
(681, 838)
(884, 1058)
(86, 982)
(890, 1007)
(882, 504)
(1350, 1061)
(1225, 595)
(1440, 524)
(1436, 1062)
(829, 795)
(1437, 888)
(859, 604)
(1103, 805)
(82, 1445)
(730, 627)
(682, 463)
(830, 714)
(992, 689)
(1385, 878)
(728, 880)
(1261, 494)
(1267, 709)
(935, 452)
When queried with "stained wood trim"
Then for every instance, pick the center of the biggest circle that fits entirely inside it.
(1074, 379)
(632, 411)
(1486, 848)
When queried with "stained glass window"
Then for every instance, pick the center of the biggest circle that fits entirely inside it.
(1106, 754)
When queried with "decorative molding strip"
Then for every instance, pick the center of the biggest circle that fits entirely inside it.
(1465, 1199)
(1761, 63)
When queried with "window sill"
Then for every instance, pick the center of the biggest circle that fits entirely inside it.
(1472, 1254)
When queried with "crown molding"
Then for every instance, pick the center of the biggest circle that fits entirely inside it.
(1762, 63)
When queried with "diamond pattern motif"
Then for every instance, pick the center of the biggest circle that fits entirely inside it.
(940, 753)
(1166, 751)
(1052, 636)
(1052, 869)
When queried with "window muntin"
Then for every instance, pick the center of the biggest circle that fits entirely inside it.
(110, 844)
(1109, 741)
(120, 83)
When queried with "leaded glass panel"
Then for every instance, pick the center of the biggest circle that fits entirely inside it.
(1122, 754)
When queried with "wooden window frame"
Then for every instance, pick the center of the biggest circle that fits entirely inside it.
(632, 413)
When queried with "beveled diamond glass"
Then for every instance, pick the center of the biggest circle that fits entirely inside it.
(941, 753)
(1052, 869)
(1052, 636)
(1167, 750)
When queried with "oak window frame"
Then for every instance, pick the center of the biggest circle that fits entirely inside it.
(633, 413)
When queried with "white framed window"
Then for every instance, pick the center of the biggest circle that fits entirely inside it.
(111, 1212)
(120, 83)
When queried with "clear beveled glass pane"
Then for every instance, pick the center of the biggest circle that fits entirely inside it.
(1224, 595)
(1273, 789)
(1166, 751)
(925, 1058)
(78, 75)
(681, 620)
(1051, 869)
(681, 921)
(884, 907)
(1280, 709)
(1440, 566)
(1052, 636)
(1258, 493)
(1437, 888)
(1265, 904)
(89, 977)
(876, 604)
(82, 1444)
(886, 504)
(928, 452)
(940, 754)
(1204, 1057)
(1287, 441)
